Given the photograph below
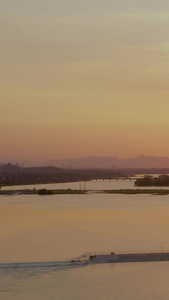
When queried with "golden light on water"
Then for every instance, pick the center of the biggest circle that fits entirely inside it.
(57, 228)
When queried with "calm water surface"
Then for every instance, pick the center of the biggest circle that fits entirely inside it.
(52, 230)
(89, 185)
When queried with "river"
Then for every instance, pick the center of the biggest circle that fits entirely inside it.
(47, 232)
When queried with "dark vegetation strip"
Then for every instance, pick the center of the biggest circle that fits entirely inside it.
(41, 192)
(70, 191)
(139, 191)
(161, 180)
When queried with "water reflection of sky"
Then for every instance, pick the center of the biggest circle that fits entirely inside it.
(89, 185)
(59, 227)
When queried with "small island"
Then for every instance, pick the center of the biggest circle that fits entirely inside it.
(161, 180)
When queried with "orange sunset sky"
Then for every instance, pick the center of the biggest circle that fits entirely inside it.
(83, 78)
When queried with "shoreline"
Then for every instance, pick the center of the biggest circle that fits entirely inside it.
(43, 192)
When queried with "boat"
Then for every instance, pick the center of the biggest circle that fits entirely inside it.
(113, 257)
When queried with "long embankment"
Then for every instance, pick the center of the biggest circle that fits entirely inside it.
(79, 192)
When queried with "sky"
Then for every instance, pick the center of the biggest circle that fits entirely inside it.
(81, 78)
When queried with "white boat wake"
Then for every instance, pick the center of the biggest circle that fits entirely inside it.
(73, 263)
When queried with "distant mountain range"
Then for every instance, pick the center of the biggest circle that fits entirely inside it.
(108, 162)
(145, 162)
